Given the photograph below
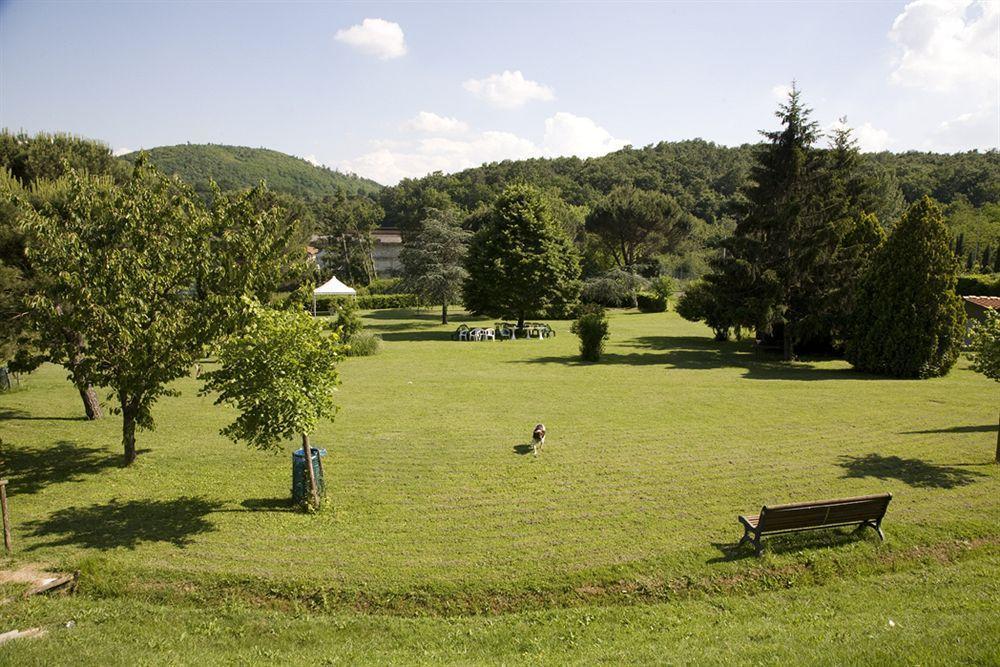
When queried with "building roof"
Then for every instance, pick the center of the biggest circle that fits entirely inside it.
(992, 302)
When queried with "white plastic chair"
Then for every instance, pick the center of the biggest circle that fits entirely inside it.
(463, 334)
(489, 334)
(475, 334)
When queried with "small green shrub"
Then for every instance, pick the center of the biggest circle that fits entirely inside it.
(591, 325)
(364, 344)
(348, 320)
(650, 302)
(663, 286)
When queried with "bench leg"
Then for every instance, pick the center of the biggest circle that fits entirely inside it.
(877, 525)
(758, 546)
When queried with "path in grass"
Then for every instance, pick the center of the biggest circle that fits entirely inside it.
(650, 456)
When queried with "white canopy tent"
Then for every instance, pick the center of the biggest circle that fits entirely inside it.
(332, 287)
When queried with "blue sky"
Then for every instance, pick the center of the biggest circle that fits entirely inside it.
(395, 90)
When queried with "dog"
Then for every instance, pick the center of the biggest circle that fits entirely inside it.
(537, 438)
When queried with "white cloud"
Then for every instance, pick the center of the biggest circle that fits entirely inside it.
(426, 122)
(948, 45)
(564, 134)
(313, 160)
(375, 37)
(781, 92)
(870, 138)
(118, 152)
(975, 129)
(508, 90)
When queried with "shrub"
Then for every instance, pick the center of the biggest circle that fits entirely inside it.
(650, 302)
(591, 325)
(364, 344)
(348, 320)
(978, 285)
(699, 303)
(663, 286)
(908, 321)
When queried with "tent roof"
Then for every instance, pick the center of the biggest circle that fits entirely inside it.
(334, 286)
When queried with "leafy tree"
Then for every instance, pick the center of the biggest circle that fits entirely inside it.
(591, 325)
(153, 282)
(908, 321)
(702, 302)
(986, 261)
(433, 259)
(633, 225)
(49, 156)
(960, 245)
(280, 372)
(984, 350)
(520, 263)
(346, 223)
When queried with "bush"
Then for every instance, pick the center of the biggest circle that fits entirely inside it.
(663, 286)
(978, 285)
(699, 303)
(650, 302)
(591, 325)
(364, 344)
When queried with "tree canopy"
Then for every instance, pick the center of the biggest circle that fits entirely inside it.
(433, 259)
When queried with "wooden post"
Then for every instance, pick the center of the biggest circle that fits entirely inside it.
(313, 488)
(6, 517)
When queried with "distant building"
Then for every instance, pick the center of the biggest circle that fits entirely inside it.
(386, 244)
(385, 251)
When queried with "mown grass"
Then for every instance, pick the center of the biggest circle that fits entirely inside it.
(434, 508)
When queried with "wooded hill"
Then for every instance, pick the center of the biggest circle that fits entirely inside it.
(236, 167)
(706, 179)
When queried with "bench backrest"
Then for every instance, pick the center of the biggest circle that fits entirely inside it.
(842, 511)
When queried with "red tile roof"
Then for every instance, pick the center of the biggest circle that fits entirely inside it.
(984, 301)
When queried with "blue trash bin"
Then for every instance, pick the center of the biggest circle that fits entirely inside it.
(300, 476)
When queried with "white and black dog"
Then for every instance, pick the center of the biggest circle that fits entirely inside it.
(537, 438)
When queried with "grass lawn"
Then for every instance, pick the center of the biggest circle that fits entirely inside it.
(434, 508)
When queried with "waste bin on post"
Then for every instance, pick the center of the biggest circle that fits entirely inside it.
(300, 476)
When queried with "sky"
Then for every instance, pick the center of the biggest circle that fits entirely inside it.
(396, 90)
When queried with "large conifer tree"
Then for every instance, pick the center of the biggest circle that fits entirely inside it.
(908, 321)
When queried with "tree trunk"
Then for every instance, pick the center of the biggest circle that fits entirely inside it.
(313, 487)
(91, 404)
(998, 447)
(786, 339)
(128, 433)
(520, 322)
(444, 313)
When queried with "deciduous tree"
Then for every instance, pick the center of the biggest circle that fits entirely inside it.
(433, 259)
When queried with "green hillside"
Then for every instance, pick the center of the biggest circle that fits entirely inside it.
(234, 167)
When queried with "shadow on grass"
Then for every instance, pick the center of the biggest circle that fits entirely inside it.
(125, 524)
(31, 470)
(269, 504)
(985, 428)
(790, 542)
(521, 450)
(22, 415)
(423, 314)
(703, 353)
(413, 335)
(914, 472)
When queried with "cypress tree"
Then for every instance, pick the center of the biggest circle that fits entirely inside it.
(986, 263)
(970, 262)
(996, 261)
(960, 245)
(908, 321)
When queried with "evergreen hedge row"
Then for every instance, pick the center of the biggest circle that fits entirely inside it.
(978, 285)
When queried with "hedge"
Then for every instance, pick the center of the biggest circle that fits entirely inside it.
(978, 285)
(371, 301)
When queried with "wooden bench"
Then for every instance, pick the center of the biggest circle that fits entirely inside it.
(866, 511)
